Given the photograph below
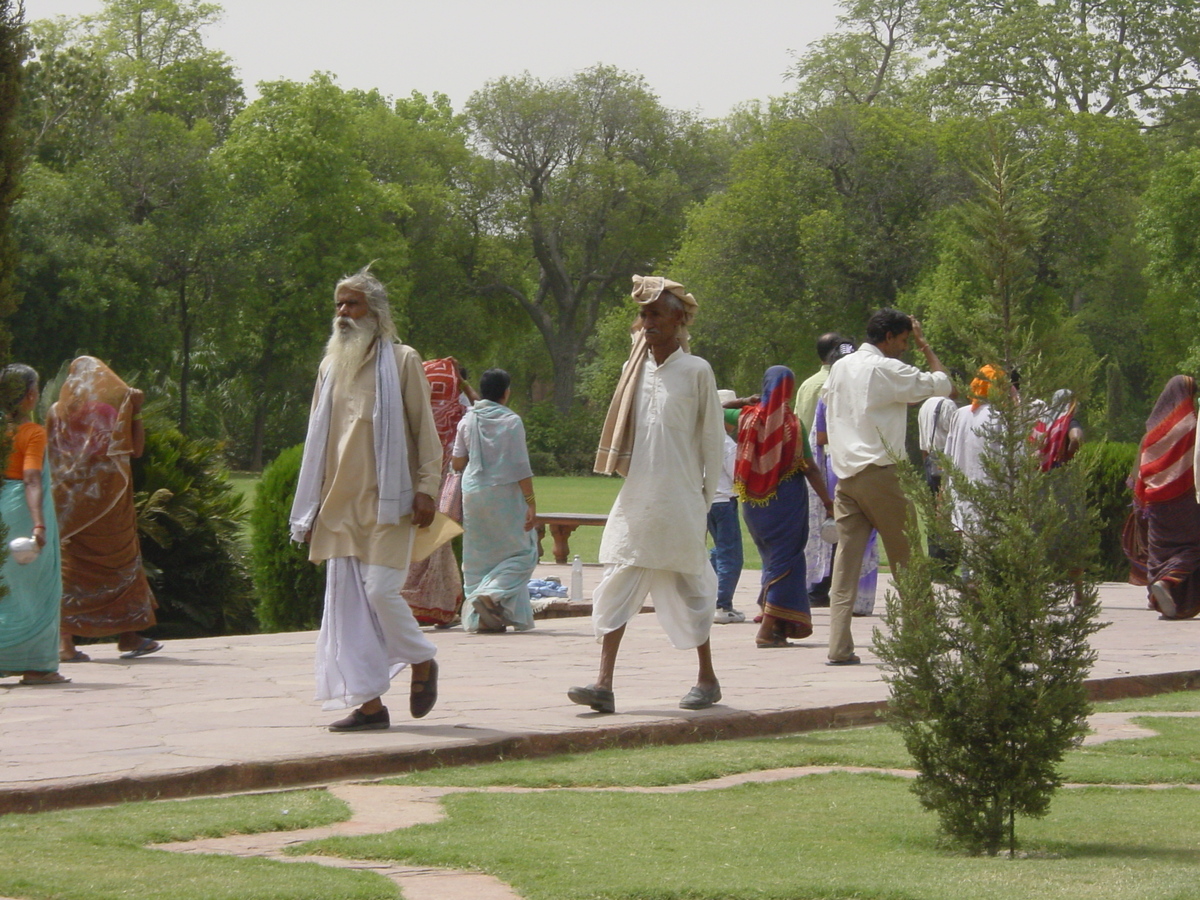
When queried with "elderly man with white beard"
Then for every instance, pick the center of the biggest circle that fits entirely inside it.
(371, 468)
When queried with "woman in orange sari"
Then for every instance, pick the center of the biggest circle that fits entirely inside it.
(94, 429)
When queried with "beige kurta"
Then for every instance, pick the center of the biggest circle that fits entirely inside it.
(346, 523)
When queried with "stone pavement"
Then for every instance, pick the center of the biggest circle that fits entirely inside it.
(215, 715)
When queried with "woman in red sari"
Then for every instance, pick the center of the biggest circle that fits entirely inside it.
(1165, 494)
(772, 455)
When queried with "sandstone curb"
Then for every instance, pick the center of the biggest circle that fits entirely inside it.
(260, 775)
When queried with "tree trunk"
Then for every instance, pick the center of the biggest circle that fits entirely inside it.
(564, 354)
(185, 365)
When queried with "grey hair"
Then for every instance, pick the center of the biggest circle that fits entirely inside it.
(674, 303)
(377, 299)
(16, 381)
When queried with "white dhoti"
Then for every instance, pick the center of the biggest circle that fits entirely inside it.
(684, 604)
(368, 633)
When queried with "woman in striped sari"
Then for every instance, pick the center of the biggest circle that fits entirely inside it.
(1165, 494)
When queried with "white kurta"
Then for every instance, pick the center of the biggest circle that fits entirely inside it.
(659, 519)
(972, 433)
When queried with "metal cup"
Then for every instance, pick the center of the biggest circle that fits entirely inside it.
(24, 549)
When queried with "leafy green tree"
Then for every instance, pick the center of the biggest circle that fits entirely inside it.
(1107, 57)
(870, 58)
(13, 49)
(825, 218)
(590, 179)
(303, 208)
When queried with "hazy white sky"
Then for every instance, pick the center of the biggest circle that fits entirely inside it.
(704, 57)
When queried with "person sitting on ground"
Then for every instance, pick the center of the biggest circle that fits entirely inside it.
(664, 433)
(499, 544)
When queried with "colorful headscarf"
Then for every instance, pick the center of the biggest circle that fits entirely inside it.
(1164, 469)
(770, 442)
(982, 385)
(1051, 429)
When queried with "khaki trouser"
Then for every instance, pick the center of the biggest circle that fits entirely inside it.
(870, 499)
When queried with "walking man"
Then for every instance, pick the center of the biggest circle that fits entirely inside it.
(664, 433)
(867, 397)
(371, 468)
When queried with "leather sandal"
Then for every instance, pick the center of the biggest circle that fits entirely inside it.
(422, 695)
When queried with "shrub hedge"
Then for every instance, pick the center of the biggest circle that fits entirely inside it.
(190, 528)
(1108, 465)
(290, 589)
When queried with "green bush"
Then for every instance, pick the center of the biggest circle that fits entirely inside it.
(189, 524)
(290, 589)
(1108, 465)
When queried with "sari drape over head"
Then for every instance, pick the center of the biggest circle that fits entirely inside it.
(499, 555)
(434, 588)
(1164, 469)
(771, 444)
(90, 440)
(1051, 429)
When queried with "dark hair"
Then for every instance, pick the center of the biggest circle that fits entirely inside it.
(493, 383)
(827, 343)
(885, 322)
(16, 381)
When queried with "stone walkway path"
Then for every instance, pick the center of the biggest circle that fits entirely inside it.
(230, 714)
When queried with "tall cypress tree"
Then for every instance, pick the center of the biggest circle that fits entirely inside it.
(14, 47)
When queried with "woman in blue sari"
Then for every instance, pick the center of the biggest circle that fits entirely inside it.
(29, 613)
(772, 452)
(499, 544)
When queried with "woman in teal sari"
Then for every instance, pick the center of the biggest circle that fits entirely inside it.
(499, 544)
(29, 612)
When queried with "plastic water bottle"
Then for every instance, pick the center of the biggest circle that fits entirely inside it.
(577, 579)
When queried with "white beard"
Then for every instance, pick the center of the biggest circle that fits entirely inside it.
(348, 346)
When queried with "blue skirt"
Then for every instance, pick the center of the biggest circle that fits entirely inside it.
(779, 528)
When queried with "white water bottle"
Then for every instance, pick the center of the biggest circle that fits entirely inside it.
(577, 579)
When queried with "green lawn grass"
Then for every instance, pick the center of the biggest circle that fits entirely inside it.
(829, 836)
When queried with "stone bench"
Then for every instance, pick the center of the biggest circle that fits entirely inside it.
(561, 526)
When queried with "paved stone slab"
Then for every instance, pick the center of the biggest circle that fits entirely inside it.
(236, 713)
